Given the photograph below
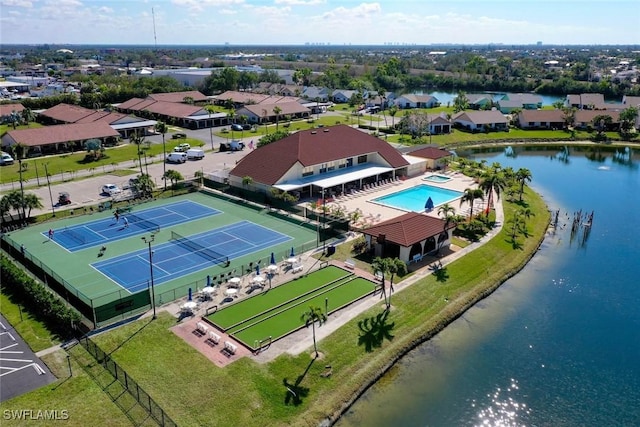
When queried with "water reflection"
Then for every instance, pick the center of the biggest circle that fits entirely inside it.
(503, 410)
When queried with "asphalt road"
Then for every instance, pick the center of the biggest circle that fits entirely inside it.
(85, 190)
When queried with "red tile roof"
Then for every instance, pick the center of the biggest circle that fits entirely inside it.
(6, 109)
(431, 153)
(268, 164)
(407, 229)
(179, 96)
(61, 133)
(67, 113)
(548, 116)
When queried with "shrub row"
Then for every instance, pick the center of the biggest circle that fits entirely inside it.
(44, 304)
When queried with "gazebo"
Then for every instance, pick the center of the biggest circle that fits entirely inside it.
(408, 237)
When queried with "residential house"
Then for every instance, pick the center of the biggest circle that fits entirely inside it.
(585, 118)
(264, 112)
(631, 101)
(476, 121)
(528, 101)
(54, 139)
(125, 124)
(315, 93)
(343, 96)
(7, 109)
(180, 114)
(412, 100)
(586, 101)
(478, 101)
(541, 119)
(436, 157)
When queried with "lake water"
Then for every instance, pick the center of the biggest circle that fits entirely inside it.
(448, 97)
(558, 344)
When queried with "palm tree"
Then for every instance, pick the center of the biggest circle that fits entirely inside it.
(396, 266)
(32, 201)
(392, 112)
(5, 208)
(277, 110)
(247, 180)
(20, 152)
(27, 116)
(264, 117)
(174, 176)
(490, 181)
(447, 212)
(381, 265)
(138, 140)
(162, 128)
(310, 317)
(14, 118)
(470, 195)
(523, 175)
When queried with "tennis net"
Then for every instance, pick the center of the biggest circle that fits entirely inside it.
(143, 223)
(199, 249)
(75, 235)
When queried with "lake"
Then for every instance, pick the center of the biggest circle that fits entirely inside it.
(559, 343)
(447, 97)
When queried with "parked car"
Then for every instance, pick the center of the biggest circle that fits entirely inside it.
(182, 148)
(236, 127)
(110, 189)
(179, 135)
(177, 157)
(6, 159)
(232, 146)
(246, 126)
(64, 198)
(195, 154)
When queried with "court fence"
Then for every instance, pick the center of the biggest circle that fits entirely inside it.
(119, 304)
(142, 397)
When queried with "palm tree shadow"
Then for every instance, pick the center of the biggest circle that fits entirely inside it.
(441, 274)
(374, 330)
(295, 392)
(515, 244)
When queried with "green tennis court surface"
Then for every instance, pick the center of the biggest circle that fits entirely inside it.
(103, 298)
(278, 312)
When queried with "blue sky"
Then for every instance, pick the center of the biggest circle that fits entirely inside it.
(320, 22)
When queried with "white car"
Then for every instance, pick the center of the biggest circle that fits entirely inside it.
(110, 189)
(6, 159)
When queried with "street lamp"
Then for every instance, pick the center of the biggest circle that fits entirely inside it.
(148, 241)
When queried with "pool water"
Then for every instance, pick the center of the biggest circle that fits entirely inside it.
(437, 178)
(414, 198)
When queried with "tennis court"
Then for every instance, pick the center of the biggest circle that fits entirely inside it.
(106, 270)
(184, 255)
(278, 312)
(101, 231)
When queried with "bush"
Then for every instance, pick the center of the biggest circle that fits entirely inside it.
(49, 308)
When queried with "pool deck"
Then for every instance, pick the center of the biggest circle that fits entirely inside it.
(374, 213)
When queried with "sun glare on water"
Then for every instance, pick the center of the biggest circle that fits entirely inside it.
(504, 410)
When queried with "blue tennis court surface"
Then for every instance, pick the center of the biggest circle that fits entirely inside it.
(83, 236)
(174, 259)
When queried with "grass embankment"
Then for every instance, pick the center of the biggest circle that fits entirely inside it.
(26, 323)
(195, 392)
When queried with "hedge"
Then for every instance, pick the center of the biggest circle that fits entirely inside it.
(46, 306)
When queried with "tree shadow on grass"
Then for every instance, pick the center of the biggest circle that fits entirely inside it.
(514, 243)
(374, 330)
(294, 393)
(439, 272)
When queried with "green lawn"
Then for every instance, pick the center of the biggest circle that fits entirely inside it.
(290, 318)
(254, 395)
(66, 164)
(263, 302)
(26, 323)
(83, 399)
(4, 128)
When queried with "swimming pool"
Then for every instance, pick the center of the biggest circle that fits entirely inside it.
(415, 198)
(436, 178)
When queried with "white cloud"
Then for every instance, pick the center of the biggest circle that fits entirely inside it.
(105, 9)
(17, 3)
(301, 2)
(363, 10)
(200, 5)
